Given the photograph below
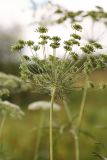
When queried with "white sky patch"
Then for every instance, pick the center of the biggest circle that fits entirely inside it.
(81, 4)
(11, 12)
(14, 11)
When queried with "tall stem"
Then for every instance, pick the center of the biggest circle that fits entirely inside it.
(44, 54)
(50, 125)
(81, 112)
(39, 135)
(2, 124)
(67, 110)
(54, 52)
(76, 141)
(76, 131)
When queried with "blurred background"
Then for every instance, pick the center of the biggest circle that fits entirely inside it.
(18, 20)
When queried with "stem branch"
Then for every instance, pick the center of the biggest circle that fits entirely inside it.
(67, 110)
(81, 112)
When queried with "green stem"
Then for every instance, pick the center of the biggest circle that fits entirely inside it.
(76, 130)
(54, 52)
(44, 54)
(67, 110)
(2, 124)
(39, 136)
(81, 112)
(76, 141)
(50, 125)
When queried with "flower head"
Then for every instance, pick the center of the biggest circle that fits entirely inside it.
(54, 72)
(44, 105)
(10, 109)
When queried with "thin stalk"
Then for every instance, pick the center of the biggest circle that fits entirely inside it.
(44, 54)
(81, 112)
(2, 124)
(76, 130)
(39, 135)
(76, 141)
(65, 55)
(50, 123)
(67, 111)
(54, 52)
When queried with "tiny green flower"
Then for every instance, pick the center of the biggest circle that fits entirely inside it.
(58, 11)
(44, 37)
(22, 42)
(97, 45)
(36, 48)
(67, 48)
(17, 47)
(30, 43)
(43, 42)
(74, 55)
(68, 42)
(74, 42)
(26, 57)
(55, 45)
(75, 36)
(77, 27)
(42, 30)
(55, 38)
